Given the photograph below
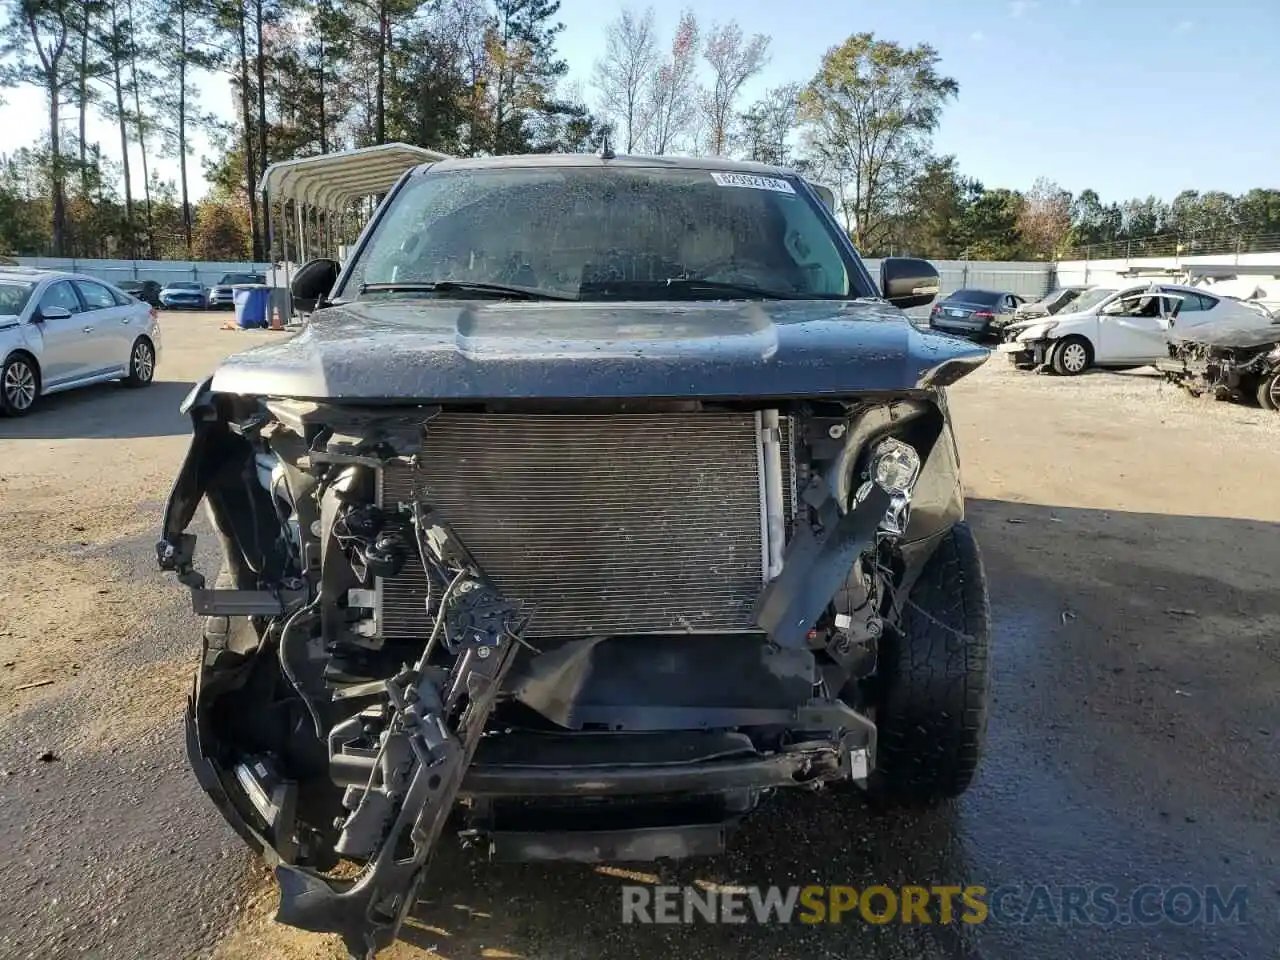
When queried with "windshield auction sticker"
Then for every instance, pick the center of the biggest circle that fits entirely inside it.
(752, 181)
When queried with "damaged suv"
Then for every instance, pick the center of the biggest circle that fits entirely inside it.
(599, 498)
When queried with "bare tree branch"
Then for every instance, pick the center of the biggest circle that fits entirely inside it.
(733, 61)
(622, 76)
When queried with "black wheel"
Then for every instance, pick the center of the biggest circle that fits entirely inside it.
(1268, 392)
(934, 679)
(142, 363)
(19, 385)
(1071, 356)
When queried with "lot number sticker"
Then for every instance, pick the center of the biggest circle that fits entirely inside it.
(752, 181)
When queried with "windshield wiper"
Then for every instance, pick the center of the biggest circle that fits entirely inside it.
(685, 286)
(464, 286)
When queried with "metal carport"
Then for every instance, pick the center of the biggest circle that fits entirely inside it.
(324, 191)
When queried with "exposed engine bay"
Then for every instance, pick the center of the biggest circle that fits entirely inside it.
(1229, 365)
(523, 614)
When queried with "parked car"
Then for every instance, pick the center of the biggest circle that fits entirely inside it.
(1122, 327)
(222, 293)
(1229, 364)
(183, 295)
(977, 314)
(1056, 301)
(64, 330)
(659, 405)
(148, 291)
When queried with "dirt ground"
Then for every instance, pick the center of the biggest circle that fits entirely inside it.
(1130, 535)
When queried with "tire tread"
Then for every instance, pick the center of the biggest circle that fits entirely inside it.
(935, 675)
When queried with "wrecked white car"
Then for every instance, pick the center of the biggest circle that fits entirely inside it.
(1122, 327)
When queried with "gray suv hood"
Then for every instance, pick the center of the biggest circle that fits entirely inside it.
(435, 349)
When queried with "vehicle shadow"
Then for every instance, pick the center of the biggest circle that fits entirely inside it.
(1130, 652)
(104, 411)
(571, 911)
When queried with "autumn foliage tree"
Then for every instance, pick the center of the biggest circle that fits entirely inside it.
(1044, 219)
(221, 232)
(479, 77)
(869, 113)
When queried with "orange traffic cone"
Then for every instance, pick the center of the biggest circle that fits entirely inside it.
(276, 322)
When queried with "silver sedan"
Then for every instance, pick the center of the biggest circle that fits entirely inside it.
(59, 331)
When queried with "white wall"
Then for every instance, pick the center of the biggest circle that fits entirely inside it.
(1107, 271)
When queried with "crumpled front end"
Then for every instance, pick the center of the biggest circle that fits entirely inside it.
(1222, 367)
(593, 629)
(1028, 343)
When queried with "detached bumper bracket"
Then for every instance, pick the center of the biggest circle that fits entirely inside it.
(423, 755)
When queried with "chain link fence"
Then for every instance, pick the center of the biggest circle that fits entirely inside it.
(1178, 245)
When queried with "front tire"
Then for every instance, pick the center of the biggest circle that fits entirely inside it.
(142, 364)
(19, 385)
(1268, 392)
(1072, 356)
(934, 680)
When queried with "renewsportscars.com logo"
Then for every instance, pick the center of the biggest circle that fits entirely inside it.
(1096, 904)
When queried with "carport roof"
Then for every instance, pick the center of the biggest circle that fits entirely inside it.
(331, 180)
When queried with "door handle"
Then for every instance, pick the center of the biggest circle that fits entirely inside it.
(125, 320)
(88, 329)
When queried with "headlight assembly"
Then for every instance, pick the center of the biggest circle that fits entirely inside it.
(1038, 331)
(894, 466)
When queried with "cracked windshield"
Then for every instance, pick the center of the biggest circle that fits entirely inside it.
(553, 480)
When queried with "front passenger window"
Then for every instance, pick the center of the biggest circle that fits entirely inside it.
(1141, 305)
(62, 295)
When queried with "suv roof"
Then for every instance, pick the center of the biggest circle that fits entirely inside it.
(591, 160)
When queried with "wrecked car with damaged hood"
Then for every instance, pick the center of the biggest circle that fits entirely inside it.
(1232, 364)
(599, 498)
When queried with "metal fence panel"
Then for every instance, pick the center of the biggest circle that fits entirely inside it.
(162, 271)
(1027, 279)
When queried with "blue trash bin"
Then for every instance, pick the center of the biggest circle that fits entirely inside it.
(252, 302)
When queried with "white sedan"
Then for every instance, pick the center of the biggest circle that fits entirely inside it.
(63, 330)
(1122, 327)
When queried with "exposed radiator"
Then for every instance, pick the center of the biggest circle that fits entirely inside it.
(605, 523)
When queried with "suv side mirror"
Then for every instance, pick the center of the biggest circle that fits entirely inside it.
(53, 313)
(312, 283)
(908, 282)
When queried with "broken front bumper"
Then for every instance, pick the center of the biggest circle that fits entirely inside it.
(1030, 353)
(1182, 369)
(525, 794)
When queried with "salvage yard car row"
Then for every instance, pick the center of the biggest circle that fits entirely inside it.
(1210, 342)
(189, 294)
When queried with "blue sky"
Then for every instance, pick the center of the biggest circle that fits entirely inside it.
(1129, 97)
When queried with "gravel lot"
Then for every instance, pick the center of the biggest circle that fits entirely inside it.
(1130, 535)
